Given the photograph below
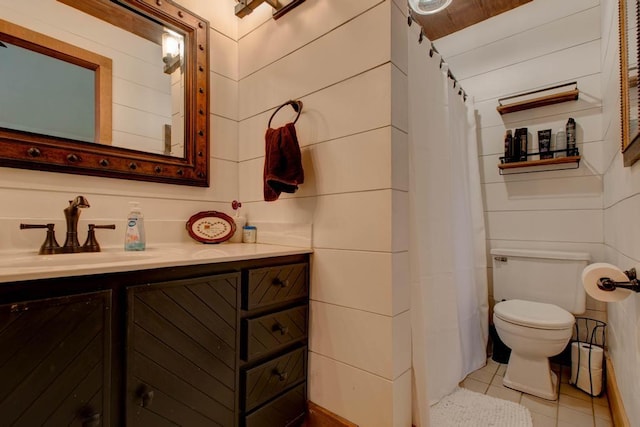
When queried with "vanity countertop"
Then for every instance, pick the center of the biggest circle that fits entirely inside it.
(20, 266)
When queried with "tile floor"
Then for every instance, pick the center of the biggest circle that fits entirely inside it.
(573, 408)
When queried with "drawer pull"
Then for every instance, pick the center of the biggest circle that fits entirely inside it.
(284, 330)
(281, 283)
(282, 376)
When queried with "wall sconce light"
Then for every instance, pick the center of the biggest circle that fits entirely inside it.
(245, 7)
(172, 50)
(428, 7)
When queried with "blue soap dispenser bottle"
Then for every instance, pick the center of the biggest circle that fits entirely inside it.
(134, 238)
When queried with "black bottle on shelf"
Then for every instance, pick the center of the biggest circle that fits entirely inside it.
(521, 140)
(571, 137)
(508, 147)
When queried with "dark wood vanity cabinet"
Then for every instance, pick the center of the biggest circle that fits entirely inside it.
(55, 361)
(206, 345)
(181, 352)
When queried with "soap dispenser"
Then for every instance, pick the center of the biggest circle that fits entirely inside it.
(134, 239)
(240, 221)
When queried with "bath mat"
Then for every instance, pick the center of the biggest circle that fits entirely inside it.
(465, 408)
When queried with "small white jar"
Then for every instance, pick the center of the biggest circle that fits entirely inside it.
(249, 234)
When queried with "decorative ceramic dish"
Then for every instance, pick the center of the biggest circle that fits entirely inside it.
(211, 227)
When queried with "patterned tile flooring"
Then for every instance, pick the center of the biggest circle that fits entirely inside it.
(573, 408)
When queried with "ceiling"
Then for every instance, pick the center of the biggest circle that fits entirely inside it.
(463, 13)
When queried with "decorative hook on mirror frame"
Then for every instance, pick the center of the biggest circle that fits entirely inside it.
(296, 105)
(609, 285)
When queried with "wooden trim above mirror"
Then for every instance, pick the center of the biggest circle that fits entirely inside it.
(47, 153)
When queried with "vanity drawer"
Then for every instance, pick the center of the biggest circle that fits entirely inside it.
(272, 331)
(274, 285)
(286, 410)
(267, 380)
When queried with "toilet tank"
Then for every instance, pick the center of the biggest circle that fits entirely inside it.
(542, 276)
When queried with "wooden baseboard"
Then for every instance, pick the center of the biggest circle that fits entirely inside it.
(317, 416)
(615, 399)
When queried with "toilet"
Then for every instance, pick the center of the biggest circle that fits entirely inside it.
(537, 294)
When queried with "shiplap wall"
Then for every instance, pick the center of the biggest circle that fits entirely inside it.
(538, 45)
(346, 60)
(40, 197)
(621, 232)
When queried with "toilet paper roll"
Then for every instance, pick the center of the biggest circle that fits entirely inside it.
(586, 373)
(593, 272)
(580, 355)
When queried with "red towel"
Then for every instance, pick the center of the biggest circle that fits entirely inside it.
(282, 163)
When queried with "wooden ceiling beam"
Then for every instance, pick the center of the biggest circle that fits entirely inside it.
(462, 14)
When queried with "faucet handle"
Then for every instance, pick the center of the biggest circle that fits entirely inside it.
(109, 226)
(26, 226)
(91, 244)
(50, 245)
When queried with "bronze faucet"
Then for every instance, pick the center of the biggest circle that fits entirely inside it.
(71, 243)
(71, 215)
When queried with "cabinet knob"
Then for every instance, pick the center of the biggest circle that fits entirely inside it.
(89, 417)
(146, 396)
(284, 330)
(282, 376)
(91, 421)
(282, 283)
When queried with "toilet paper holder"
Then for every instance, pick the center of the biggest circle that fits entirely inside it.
(607, 284)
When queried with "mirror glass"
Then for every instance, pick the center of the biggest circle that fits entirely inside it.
(630, 112)
(157, 123)
(29, 83)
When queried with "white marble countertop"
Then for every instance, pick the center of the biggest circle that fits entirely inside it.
(19, 266)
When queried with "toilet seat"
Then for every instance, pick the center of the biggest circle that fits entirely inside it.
(534, 314)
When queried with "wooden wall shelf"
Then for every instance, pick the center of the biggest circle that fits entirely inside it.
(552, 96)
(542, 162)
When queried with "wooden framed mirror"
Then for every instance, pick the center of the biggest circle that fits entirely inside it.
(158, 129)
(629, 90)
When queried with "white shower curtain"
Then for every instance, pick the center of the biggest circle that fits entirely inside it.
(449, 306)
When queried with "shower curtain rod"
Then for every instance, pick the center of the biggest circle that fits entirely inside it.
(432, 49)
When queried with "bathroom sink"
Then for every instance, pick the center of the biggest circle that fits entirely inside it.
(61, 260)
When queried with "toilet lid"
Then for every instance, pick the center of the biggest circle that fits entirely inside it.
(534, 314)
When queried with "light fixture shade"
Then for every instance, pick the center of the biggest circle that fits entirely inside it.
(428, 7)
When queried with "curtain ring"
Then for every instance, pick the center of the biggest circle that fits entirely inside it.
(420, 37)
(431, 53)
(409, 20)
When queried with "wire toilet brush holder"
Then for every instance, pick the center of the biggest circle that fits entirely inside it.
(587, 355)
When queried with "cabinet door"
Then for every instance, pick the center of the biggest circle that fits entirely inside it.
(54, 361)
(181, 352)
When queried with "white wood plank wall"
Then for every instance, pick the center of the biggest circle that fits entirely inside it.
(346, 60)
(621, 231)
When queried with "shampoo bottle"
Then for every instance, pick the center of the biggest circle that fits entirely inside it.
(134, 239)
(561, 143)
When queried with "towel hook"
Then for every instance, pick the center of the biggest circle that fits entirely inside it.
(296, 105)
